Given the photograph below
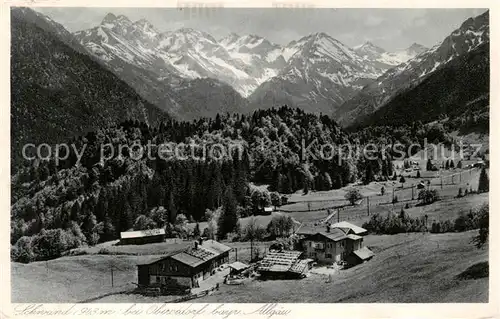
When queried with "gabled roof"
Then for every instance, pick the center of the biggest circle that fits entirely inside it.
(215, 246)
(142, 233)
(279, 261)
(335, 234)
(356, 229)
(364, 253)
(308, 229)
(188, 259)
(354, 237)
(193, 257)
(238, 265)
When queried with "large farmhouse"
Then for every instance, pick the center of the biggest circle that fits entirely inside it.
(184, 268)
(333, 243)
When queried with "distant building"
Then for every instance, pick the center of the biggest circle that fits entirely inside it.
(338, 242)
(479, 164)
(266, 210)
(185, 268)
(141, 237)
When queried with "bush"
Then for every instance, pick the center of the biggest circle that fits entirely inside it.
(394, 224)
(280, 226)
(464, 222)
(22, 251)
(428, 196)
(48, 244)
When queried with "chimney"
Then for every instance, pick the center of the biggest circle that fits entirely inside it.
(328, 228)
(200, 240)
(195, 245)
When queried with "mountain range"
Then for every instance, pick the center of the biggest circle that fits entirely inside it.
(187, 73)
(317, 72)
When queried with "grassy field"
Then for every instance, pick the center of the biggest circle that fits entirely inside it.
(72, 279)
(406, 268)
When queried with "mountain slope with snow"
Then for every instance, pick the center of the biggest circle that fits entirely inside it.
(376, 55)
(58, 92)
(472, 33)
(320, 74)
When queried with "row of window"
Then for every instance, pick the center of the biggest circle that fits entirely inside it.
(170, 268)
(328, 245)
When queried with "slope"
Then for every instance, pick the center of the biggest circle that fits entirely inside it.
(321, 73)
(471, 34)
(457, 91)
(57, 92)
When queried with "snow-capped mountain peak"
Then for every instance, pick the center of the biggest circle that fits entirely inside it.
(415, 49)
(112, 21)
(368, 48)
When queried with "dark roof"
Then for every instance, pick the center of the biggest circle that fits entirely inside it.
(188, 259)
(192, 256)
(309, 229)
(335, 234)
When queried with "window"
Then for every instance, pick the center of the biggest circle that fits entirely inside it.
(310, 244)
(328, 256)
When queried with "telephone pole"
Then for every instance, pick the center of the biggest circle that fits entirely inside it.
(112, 280)
(251, 249)
(368, 205)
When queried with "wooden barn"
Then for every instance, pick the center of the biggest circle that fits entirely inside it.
(184, 268)
(141, 237)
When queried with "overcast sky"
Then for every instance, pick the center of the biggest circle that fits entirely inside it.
(391, 29)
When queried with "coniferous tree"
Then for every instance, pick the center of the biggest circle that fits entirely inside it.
(228, 219)
(428, 166)
(484, 181)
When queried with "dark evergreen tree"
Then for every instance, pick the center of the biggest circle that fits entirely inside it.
(484, 182)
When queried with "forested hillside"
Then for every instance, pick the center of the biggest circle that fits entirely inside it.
(57, 92)
(457, 92)
(94, 201)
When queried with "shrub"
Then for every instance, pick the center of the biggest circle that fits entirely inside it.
(394, 224)
(353, 195)
(428, 196)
